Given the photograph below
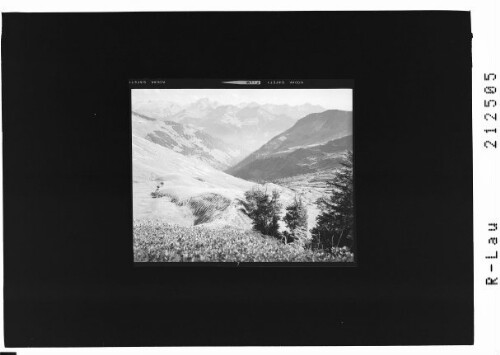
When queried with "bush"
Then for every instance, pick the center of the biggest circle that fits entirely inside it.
(264, 210)
(296, 221)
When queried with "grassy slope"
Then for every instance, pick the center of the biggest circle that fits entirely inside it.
(161, 242)
(184, 178)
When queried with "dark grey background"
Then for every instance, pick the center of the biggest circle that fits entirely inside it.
(69, 276)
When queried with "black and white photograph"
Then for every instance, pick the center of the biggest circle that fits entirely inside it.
(243, 175)
(292, 178)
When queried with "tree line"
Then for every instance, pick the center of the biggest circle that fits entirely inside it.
(334, 225)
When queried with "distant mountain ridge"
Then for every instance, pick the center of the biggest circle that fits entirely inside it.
(316, 142)
(185, 139)
(246, 125)
(155, 108)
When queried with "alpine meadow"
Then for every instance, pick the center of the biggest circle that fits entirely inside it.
(239, 175)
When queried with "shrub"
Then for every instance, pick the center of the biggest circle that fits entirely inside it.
(296, 221)
(264, 210)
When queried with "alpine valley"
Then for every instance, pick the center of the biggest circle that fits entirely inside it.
(192, 164)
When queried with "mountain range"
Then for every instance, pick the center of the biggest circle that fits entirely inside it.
(315, 142)
(186, 140)
(185, 190)
(246, 125)
(184, 175)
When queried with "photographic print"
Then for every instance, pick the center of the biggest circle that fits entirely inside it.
(243, 174)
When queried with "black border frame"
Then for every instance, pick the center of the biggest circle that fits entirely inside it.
(68, 278)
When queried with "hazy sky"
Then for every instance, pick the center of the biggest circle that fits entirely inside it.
(328, 98)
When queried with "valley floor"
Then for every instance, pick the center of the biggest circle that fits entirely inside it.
(157, 241)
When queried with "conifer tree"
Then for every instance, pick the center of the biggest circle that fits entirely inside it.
(296, 221)
(264, 210)
(334, 225)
